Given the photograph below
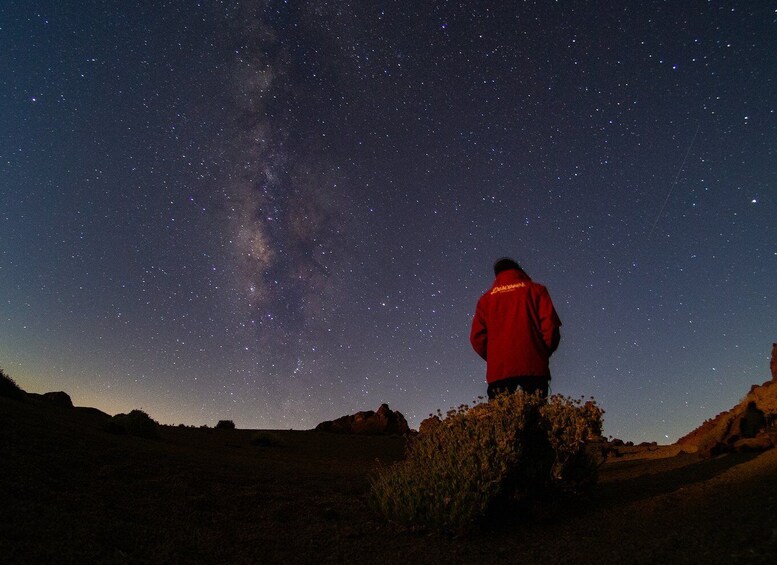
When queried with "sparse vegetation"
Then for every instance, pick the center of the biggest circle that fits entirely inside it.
(225, 425)
(136, 423)
(9, 388)
(483, 457)
(208, 497)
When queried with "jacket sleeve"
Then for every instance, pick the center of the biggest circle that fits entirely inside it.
(478, 337)
(550, 322)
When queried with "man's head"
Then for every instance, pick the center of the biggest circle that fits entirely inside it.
(504, 264)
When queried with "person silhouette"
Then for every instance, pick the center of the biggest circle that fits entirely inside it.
(515, 330)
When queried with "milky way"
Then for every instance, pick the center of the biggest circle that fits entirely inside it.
(280, 213)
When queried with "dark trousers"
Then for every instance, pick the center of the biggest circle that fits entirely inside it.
(529, 385)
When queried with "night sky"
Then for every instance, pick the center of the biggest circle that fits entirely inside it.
(283, 212)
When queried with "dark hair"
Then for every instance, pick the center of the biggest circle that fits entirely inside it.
(505, 263)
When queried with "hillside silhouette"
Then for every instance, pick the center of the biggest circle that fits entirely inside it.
(73, 491)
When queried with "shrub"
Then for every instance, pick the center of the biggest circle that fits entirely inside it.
(481, 458)
(9, 388)
(136, 423)
(569, 426)
(225, 425)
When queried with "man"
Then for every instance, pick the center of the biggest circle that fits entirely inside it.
(516, 330)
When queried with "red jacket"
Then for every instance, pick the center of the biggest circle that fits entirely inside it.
(516, 328)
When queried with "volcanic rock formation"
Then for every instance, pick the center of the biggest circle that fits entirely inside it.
(751, 425)
(59, 398)
(773, 364)
(382, 422)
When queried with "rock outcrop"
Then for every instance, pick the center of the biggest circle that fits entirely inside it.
(59, 398)
(384, 421)
(773, 365)
(749, 426)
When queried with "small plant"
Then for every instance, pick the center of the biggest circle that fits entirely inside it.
(136, 423)
(9, 388)
(481, 458)
(225, 425)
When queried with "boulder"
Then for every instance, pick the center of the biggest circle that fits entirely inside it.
(752, 420)
(59, 398)
(761, 442)
(383, 421)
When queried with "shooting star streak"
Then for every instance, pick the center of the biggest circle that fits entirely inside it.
(671, 188)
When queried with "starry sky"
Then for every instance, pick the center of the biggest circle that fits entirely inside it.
(283, 212)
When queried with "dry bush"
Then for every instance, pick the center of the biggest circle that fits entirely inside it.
(486, 456)
(570, 425)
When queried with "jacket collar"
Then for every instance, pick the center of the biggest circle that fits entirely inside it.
(510, 276)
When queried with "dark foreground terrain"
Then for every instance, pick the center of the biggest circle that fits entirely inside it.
(71, 492)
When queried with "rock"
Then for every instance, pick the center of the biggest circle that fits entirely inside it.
(715, 450)
(751, 424)
(59, 398)
(384, 421)
(752, 421)
(93, 412)
(762, 442)
(754, 417)
(773, 364)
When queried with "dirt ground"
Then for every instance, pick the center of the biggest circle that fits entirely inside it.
(70, 492)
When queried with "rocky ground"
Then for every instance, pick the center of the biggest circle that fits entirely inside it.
(71, 492)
